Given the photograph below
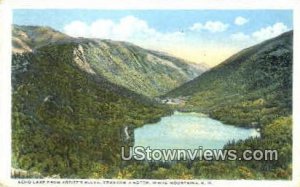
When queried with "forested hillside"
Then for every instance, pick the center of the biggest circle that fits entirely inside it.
(251, 88)
(67, 121)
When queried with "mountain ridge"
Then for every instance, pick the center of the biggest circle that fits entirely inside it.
(234, 57)
(144, 71)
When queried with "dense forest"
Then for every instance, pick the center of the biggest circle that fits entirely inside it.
(68, 123)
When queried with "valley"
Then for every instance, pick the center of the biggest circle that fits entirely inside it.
(76, 101)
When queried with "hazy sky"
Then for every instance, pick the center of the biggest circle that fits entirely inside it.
(208, 36)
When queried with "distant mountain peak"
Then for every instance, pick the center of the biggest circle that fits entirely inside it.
(28, 38)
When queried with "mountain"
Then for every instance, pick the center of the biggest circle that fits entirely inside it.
(143, 71)
(251, 88)
(68, 120)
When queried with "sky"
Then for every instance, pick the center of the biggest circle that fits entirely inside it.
(201, 36)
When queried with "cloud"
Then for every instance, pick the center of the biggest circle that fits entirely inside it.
(76, 29)
(270, 31)
(128, 28)
(240, 20)
(212, 26)
(100, 28)
(261, 34)
(240, 36)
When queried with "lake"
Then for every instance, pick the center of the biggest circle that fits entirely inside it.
(189, 131)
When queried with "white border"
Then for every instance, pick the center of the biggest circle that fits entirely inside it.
(157, 4)
(5, 66)
(5, 91)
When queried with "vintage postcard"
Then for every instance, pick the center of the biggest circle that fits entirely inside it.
(101, 95)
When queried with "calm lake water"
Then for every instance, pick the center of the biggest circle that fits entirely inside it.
(189, 131)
